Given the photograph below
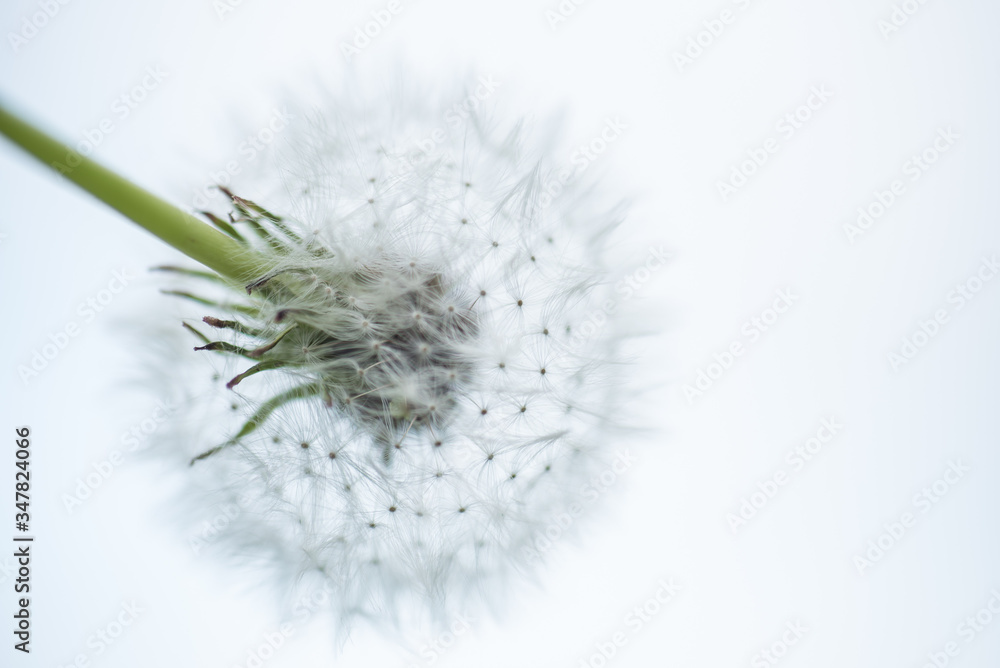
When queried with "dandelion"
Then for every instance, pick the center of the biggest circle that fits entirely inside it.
(395, 335)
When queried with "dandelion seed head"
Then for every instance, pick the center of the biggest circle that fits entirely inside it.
(404, 381)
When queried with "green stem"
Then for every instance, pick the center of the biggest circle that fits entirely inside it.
(199, 241)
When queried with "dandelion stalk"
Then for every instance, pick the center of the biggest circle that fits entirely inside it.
(197, 240)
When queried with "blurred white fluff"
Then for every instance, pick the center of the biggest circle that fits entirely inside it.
(437, 307)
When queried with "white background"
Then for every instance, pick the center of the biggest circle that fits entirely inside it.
(667, 518)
